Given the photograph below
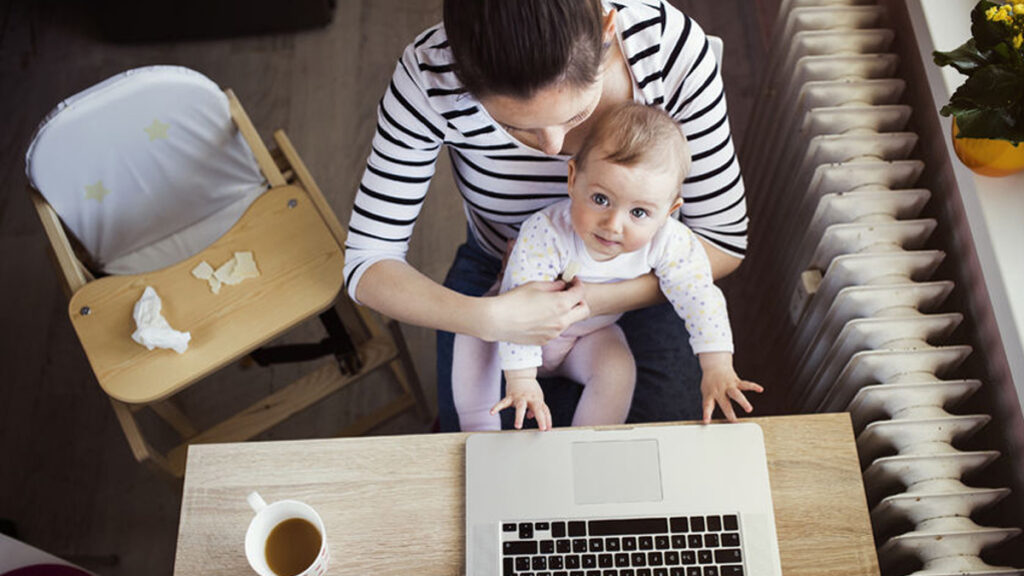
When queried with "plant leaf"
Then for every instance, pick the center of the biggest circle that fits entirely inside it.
(992, 124)
(965, 59)
(985, 32)
(990, 87)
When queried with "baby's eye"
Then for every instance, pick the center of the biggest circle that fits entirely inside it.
(639, 213)
(600, 199)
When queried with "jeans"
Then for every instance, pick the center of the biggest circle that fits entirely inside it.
(668, 373)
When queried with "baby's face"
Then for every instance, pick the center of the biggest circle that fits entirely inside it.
(617, 209)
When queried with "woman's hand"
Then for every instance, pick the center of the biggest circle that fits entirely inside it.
(720, 385)
(535, 313)
(524, 393)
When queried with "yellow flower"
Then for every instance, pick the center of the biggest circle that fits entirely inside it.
(990, 14)
(1018, 40)
(1018, 8)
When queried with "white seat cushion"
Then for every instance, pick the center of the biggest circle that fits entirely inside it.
(146, 168)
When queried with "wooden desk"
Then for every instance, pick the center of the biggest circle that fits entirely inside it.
(394, 505)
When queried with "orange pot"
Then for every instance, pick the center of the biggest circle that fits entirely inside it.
(989, 157)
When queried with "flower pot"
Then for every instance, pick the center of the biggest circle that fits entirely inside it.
(989, 157)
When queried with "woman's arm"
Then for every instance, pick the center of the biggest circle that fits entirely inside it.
(530, 314)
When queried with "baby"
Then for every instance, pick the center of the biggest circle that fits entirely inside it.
(623, 186)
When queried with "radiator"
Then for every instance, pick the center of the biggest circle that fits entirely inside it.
(842, 293)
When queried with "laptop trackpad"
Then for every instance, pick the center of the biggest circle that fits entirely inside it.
(610, 472)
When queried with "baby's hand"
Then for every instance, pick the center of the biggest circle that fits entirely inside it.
(526, 395)
(720, 385)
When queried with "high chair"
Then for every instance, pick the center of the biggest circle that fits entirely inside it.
(139, 179)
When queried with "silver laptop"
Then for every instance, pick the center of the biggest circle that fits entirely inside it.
(647, 501)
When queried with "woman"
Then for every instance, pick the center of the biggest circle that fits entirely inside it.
(510, 87)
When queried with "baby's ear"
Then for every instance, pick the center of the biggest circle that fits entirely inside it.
(572, 172)
(676, 205)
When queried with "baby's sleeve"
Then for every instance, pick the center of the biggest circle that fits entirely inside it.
(536, 256)
(684, 274)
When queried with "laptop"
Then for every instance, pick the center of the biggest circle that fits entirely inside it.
(646, 501)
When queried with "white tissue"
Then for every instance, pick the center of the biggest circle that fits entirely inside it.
(152, 329)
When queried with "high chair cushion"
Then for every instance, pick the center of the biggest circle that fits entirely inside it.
(146, 168)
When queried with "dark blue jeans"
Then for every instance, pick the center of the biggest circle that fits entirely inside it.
(668, 373)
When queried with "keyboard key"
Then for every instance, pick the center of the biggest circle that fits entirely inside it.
(695, 541)
(646, 543)
(672, 557)
(508, 527)
(577, 528)
(547, 546)
(697, 523)
(515, 548)
(679, 524)
(579, 545)
(730, 522)
(731, 539)
(590, 561)
(661, 542)
(661, 572)
(612, 544)
(692, 571)
(627, 572)
(508, 566)
(525, 530)
(678, 541)
(711, 571)
(728, 556)
(522, 563)
(572, 562)
(541, 526)
(655, 559)
(556, 563)
(678, 571)
(687, 557)
(563, 546)
(714, 523)
(605, 560)
(731, 570)
(628, 526)
(621, 560)
(596, 545)
(609, 573)
(643, 572)
(558, 529)
(711, 540)
(639, 559)
(539, 563)
(704, 556)
(629, 543)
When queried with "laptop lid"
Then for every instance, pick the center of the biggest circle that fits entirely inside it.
(646, 475)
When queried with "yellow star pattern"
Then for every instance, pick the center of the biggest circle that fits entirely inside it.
(96, 191)
(157, 130)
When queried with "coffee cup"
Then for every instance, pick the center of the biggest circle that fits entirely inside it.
(285, 538)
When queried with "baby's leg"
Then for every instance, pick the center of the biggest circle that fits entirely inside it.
(602, 362)
(476, 382)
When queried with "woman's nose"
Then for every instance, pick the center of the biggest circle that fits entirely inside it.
(551, 140)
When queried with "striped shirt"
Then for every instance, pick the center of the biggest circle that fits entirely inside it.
(502, 181)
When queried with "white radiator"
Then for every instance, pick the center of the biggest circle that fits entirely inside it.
(852, 307)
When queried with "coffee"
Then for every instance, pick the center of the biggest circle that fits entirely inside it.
(292, 546)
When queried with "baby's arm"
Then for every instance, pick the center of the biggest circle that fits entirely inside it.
(524, 393)
(685, 276)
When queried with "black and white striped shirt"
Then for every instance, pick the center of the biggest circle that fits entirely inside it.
(502, 181)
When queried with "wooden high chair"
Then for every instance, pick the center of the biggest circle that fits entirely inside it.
(297, 243)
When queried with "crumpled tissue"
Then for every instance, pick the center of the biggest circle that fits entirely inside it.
(152, 329)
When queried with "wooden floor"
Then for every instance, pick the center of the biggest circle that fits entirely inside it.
(67, 478)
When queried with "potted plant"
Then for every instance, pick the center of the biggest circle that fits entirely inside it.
(988, 108)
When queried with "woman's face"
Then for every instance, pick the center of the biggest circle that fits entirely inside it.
(543, 121)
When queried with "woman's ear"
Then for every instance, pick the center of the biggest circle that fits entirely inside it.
(608, 27)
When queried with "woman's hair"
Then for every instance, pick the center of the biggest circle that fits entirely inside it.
(632, 133)
(517, 47)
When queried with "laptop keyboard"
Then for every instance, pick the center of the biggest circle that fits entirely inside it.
(655, 546)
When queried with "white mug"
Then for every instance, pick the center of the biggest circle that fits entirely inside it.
(266, 519)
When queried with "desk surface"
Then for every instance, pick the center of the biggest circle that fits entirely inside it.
(394, 504)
